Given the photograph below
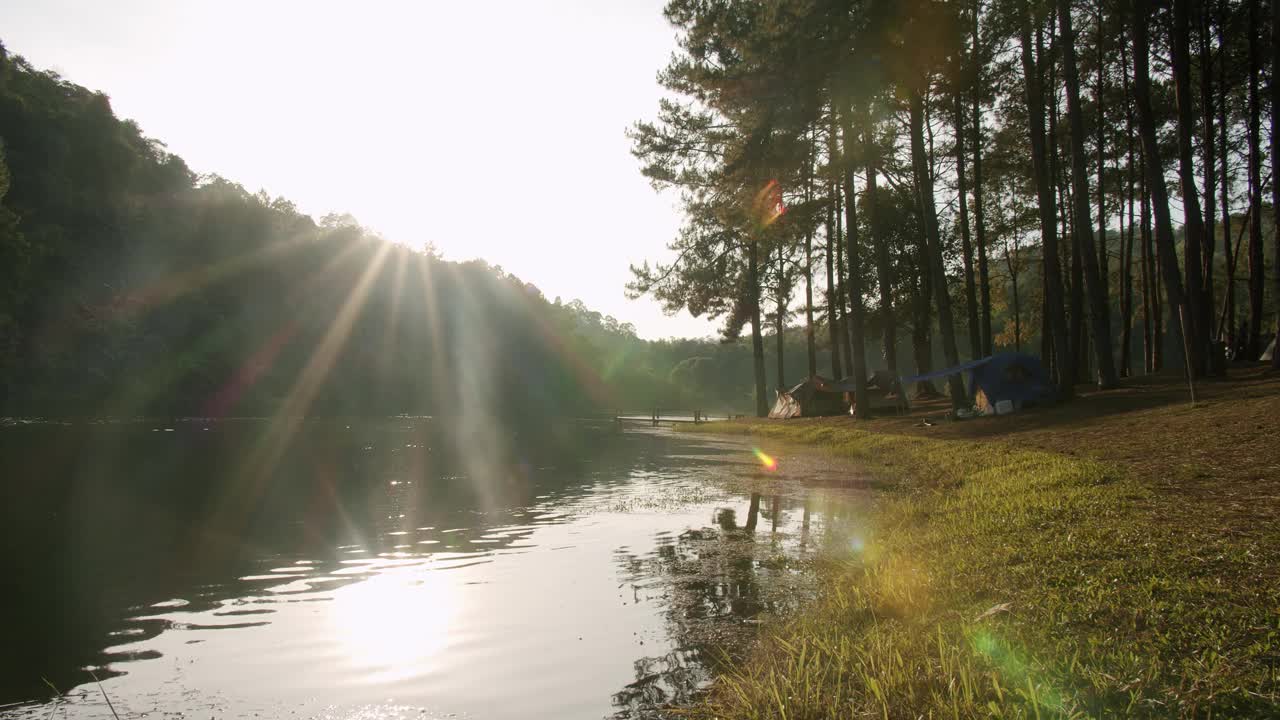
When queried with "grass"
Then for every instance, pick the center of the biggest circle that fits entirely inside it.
(1086, 561)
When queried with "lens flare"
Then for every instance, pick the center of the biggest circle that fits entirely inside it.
(768, 204)
(1016, 671)
(768, 461)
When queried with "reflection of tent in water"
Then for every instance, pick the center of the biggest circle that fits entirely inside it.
(1001, 383)
(818, 396)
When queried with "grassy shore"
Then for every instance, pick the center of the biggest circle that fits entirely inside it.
(1116, 556)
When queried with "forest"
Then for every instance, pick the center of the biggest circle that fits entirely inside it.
(924, 182)
(899, 184)
(131, 286)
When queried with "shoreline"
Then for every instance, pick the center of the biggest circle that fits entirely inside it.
(1033, 572)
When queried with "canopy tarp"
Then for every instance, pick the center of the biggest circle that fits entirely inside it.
(947, 371)
(880, 380)
(845, 385)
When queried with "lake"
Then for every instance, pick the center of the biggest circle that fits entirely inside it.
(357, 569)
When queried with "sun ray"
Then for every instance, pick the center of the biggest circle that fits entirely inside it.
(435, 330)
(168, 288)
(250, 372)
(263, 460)
(391, 328)
(133, 398)
(298, 401)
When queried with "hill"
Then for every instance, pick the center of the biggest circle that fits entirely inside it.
(130, 285)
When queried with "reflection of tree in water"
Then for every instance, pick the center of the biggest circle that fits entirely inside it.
(671, 679)
(713, 582)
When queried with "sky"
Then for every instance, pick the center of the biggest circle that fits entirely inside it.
(494, 130)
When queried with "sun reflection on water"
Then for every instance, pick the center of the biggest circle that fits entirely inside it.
(396, 624)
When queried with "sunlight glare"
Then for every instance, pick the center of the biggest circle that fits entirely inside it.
(395, 625)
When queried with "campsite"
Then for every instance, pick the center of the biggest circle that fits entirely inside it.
(1116, 512)
(999, 384)
(640, 360)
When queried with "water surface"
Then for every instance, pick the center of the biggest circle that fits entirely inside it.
(384, 570)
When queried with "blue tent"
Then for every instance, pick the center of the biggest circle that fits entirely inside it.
(1016, 378)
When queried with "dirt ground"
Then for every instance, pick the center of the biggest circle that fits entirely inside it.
(1221, 456)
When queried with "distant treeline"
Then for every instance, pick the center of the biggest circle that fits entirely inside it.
(131, 286)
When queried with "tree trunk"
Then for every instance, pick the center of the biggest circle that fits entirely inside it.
(780, 320)
(1226, 329)
(862, 407)
(1126, 275)
(966, 244)
(1155, 175)
(884, 270)
(1070, 246)
(1157, 297)
(1054, 320)
(757, 339)
(1074, 279)
(1150, 299)
(842, 206)
(1275, 163)
(922, 312)
(1046, 340)
(1075, 310)
(1193, 219)
(1256, 269)
(833, 327)
(1126, 253)
(1104, 251)
(1099, 311)
(933, 246)
(810, 342)
(1010, 261)
(1075, 288)
(922, 325)
(979, 219)
(1210, 163)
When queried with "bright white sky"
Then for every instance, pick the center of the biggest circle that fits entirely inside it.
(492, 129)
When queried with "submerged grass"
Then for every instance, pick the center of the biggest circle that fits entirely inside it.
(996, 581)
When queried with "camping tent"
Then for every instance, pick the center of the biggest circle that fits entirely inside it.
(883, 392)
(1270, 352)
(813, 397)
(1001, 383)
(1015, 378)
(818, 396)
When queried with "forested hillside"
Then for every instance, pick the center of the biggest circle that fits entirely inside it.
(130, 285)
